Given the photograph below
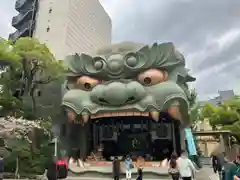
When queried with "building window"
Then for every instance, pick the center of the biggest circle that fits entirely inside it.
(48, 29)
(50, 10)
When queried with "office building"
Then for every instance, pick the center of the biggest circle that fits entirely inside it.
(66, 26)
(218, 100)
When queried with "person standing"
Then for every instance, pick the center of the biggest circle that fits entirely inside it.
(217, 164)
(128, 166)
(1, 168)
(229, 170)
(237, 169)
(116, 168)
(62, 168)
(51, 168)
(140, 164)
(186, 168)
(173, 167)
(214, 163)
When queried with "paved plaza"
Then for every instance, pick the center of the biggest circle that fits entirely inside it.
(206, 173)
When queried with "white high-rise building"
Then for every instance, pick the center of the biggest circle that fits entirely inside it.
(66, 26)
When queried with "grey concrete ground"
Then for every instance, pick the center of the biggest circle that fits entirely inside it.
(206, 173)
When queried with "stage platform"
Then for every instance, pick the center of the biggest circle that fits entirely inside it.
(104, 169)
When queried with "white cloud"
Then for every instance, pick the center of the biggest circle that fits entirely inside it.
(228, 38)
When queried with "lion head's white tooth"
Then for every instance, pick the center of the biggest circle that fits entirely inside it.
(175, 112)
(85, 118)
(155, 115)
(71, 115)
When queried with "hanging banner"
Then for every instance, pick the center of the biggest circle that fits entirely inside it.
(190, 142)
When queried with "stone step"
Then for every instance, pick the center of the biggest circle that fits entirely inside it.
(110, 178)
(146, 175)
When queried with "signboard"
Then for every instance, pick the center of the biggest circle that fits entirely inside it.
(190, 142)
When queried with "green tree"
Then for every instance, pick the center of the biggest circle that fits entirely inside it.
(36, 67)
(7, 57)
(10, 68)
(22, 159)
(28, 147)
(225, 116)
(39, 66)
(195, 115)
(26, 67)
(195, 118)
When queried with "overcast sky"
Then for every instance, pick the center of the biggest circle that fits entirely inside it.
(207, 32)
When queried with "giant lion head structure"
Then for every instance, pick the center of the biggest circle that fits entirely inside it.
(125, 79)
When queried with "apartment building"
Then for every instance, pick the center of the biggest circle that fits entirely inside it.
(66, 26)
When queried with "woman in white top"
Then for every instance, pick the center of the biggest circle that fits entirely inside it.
(186, 168)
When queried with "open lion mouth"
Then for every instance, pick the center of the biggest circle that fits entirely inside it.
(154, 115)
(84, 118)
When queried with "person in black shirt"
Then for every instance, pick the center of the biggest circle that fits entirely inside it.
(217, 164)
(116, 168)
(51, 169)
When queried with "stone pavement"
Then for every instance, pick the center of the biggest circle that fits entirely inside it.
(206, 173)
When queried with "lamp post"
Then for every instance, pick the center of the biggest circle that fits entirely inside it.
(55, 140)
(56, 132)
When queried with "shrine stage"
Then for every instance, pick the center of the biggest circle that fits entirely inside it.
(104, 169)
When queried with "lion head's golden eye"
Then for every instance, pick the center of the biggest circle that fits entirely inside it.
(152, 77)
(86, 83)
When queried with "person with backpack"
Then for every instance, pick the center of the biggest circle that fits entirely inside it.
(62, 168)
(186, 168)
(116, 168)
(173, 167)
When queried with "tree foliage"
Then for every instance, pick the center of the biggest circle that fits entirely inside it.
(195, 115)
(195, 118)
(226, 116)
(26, 66)
(25, 148)
(7, 57)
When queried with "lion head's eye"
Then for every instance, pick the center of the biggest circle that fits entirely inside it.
(152, 77)
(86, 83)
